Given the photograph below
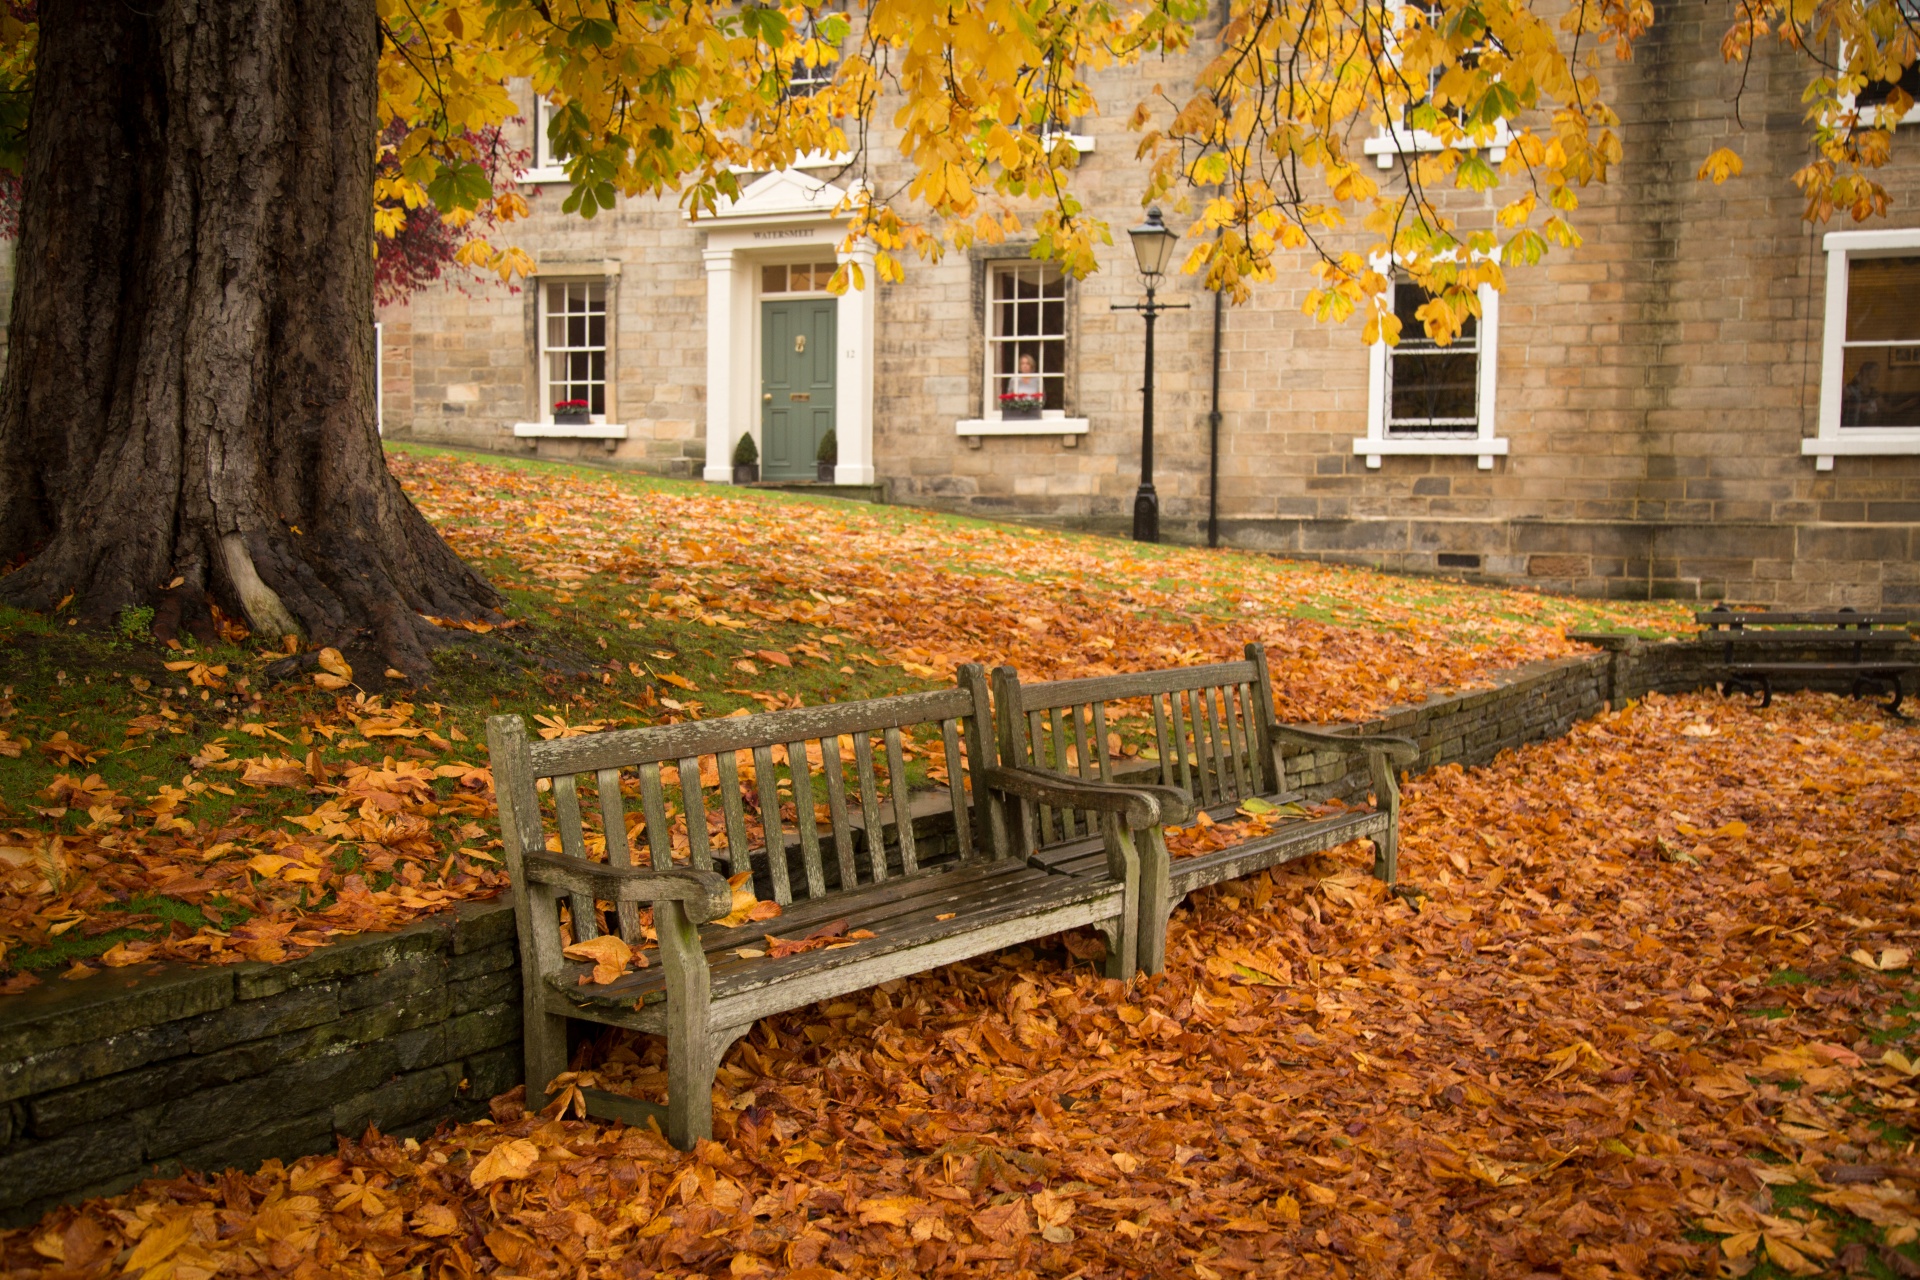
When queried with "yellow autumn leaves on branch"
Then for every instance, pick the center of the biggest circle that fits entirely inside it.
(945, 120)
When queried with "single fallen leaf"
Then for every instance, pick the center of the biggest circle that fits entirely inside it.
(611, 956)
(334, 672)
(508, 1162)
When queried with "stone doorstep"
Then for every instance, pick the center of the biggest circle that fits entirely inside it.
(874, 493)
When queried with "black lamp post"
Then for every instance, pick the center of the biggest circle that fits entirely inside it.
(1152, 249)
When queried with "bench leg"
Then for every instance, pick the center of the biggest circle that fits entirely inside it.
(546, 1052)
(1156, 901)
(1123, 864)
(1386, 795)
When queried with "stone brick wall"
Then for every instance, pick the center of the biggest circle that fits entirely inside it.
(133, 1074)
(1654, 383)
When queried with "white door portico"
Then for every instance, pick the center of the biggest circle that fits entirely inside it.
(777, 219)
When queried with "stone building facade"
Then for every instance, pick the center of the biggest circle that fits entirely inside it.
(1708, 398)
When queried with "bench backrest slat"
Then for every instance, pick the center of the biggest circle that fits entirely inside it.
(715, 795)
(804, 819)
(1737, 618)
(1210, 732)
(768, 783)
(833, 773)
(566, 799)
(613, 821)
(956, 786)
(902, 807)
(733, 812)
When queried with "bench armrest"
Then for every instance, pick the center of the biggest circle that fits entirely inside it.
(1137, 805)
(1399, 750)
(705, 894)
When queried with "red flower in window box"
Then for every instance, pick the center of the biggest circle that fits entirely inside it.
(571, 411)
(1019, 404)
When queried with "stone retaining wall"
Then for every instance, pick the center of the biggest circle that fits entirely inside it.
(132, 1073)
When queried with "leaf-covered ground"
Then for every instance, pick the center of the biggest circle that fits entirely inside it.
(176, 803)
(1652, 1011)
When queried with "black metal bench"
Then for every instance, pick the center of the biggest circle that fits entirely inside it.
(1862, 648)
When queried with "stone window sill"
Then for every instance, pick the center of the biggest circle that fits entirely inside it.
(1486, 448)
(570, 430)
(542, 173)
(1861, 442)
(1052, 424)
(1399, 141)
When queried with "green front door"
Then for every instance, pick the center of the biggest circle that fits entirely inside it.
(796, 385)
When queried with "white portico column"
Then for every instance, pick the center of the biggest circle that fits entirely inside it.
(721, 409)
(854, 370)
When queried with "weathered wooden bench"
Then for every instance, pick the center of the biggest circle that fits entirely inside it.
(1844, 643)
(1216, 745)
(876, 907)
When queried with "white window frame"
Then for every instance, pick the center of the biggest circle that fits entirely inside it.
(1051, 422)
(1395, 139)
(1834, 440)
(545, 167)
(1482, 443)
(599, 426)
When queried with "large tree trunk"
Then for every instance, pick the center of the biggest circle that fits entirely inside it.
(188, 417)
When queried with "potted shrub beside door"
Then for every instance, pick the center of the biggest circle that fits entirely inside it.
(826, 457)
(746, 461)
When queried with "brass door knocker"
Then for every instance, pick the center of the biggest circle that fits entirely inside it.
(799, 344)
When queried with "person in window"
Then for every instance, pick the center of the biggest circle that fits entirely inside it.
(1860, 398)
(1027, 381)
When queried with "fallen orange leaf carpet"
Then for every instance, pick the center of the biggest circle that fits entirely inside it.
(1649, 1009)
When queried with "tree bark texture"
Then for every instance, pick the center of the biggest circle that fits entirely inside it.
(188, 416)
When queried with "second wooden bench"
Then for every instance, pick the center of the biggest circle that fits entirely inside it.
(1216, 746)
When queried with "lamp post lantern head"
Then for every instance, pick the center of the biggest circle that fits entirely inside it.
(1152, 245)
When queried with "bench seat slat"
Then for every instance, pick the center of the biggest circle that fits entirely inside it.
(902, 917)
(1826, 668)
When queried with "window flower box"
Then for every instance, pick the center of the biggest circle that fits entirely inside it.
(1021, 408)
(574, 412)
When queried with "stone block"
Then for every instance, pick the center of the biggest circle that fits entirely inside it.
(473, 964)
(362, 953)
(91, 1059)
(501, 988)
(309, 1133)
(202, 1121)
(63, 1109)
(268, 1016)
(401, 1100)
(495, 1071)
(31, 1170)
(470, 1033)
(408, 976)
(56, 1014)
